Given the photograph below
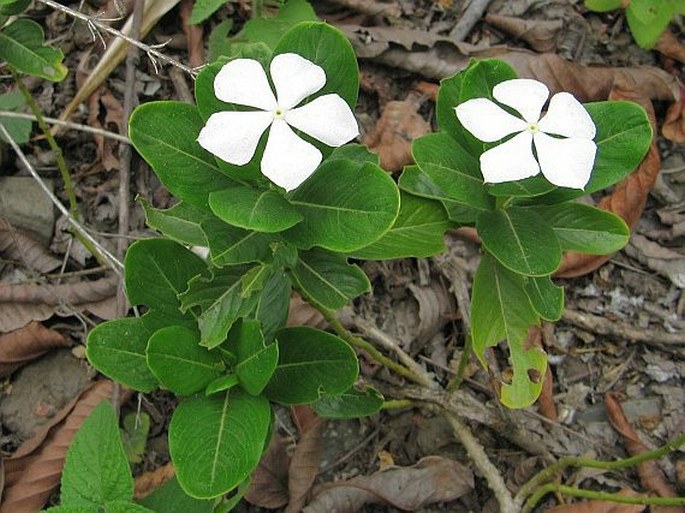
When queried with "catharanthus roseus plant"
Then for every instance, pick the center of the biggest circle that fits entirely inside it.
(268, 182)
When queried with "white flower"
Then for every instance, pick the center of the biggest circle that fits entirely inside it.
(563, 138)
(288, 160)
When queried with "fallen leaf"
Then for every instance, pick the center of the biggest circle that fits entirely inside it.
(269, 483)
(671, 46)
(148, 482)
(433, 479)
(25, 344)
(540, 35)
(31, 478)
(665, 261)
(400, 123)
(304, 465)
(601, 506)
(673, 128)
(21, 246)
(651, 475)
(194, 33)
(102, 105)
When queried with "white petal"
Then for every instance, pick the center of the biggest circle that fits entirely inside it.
(566, 116)
(233, 136)
(487, 121)
(565, 162)
(244, 82)
(288, 160)
(510, 161)
(295, 78)
(523, 94)
(327, 118)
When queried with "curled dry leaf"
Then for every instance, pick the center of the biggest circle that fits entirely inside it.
(31, 478)
(433, 479)
(22, 246)
(269, 483)
(601, 506)
(671, 46)
(304, 464)
(105, 111)
(665, 261)
(540, 35)
(673, 128)
(651, 475)
(25, 344)
(400, 123)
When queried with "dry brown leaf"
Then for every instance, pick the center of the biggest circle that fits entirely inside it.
(601, 506)
(540, 35)
(433, 479)
(673, 128)
(302, 313)
(651, 475)
(148, 482)
(195, 35)
(31, 478)
(22, 246)
(663, 260)
(671, 46)
(400, 123)
(25, 344)
(269, 482)
(304, 464)
(105, 111)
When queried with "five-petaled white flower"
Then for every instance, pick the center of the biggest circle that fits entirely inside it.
(288, 160)
(563, 138)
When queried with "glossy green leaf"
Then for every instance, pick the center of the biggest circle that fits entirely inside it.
(526, 188)
(221, 384)
(254, 279)
(453, 169)
(22, 47)
(345, 207)
(273, 303)
(117, 349)
(603, 5)
(500, 310)
(203, 9)
(125, 507)
(312, 364)
(327, 280)
(229, 245)
(546, 298)
(218, 42)
(351, 404)
(96, 470)
(165, 134)
(521, 240)
(417, 232)
(10, 7)
(355, 152)
(170, 498)
(270, 30)
(254, 209)
(256, 359)
(585, 228)
(134, 432)
(215, 442)
(648, 19)
(19, 129)
(180, 222)
(73, 509)
(174, 355)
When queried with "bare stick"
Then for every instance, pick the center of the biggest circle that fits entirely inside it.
(472, 15)
(373, 8)
(151, 51)
(66, 124)
(113, 262)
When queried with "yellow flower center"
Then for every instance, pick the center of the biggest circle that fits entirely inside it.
(533, 128)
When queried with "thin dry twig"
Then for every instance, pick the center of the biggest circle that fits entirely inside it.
(372, 8)
(67, 124)
(468, 19)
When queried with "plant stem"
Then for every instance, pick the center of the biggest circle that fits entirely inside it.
(602, 496)
(66, 124)
(455, 382)
(397, 404)
(374, 353)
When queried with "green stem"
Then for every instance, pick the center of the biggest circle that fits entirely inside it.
(455, 382)
(602, 496)
(61, 164)
(397, 404)
(365, 346)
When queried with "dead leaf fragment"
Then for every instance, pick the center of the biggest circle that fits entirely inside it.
(269, 483)
(671, 46)
(25, 344)
(433, 479)
(663, 260)
(673, 128)
(540, 35)
(304, 464)
(21, 246)
(399, 124)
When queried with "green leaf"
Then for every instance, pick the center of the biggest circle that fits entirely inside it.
(312, 364)
(10, 7)
(327, 279)
(521, 240)
(256, 359)
(203, 9)
(117, 349)
(416, 182)
(222, 383)
(157, 271)
(417, 232)
(355, 152)
(647, 20)
(135, 428)
(165, 134)
(215, 442)
(73, 509)
(500, 309)
(526, 188)
(21, 45)
(545, 297)
(125, 507)
(253, 209)
(96, 470)
(218, 43)
(222, 302)
(254, 279)
(170, 498)
(19, 129)
(181, 365)
(585, 228)
(603, 5)
(345, 207)
(351, 404)
(180, 222)
(327, 47)
(273, 303)
(229, 245)
(270, 30)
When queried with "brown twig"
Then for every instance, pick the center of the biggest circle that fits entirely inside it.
(468, 19)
